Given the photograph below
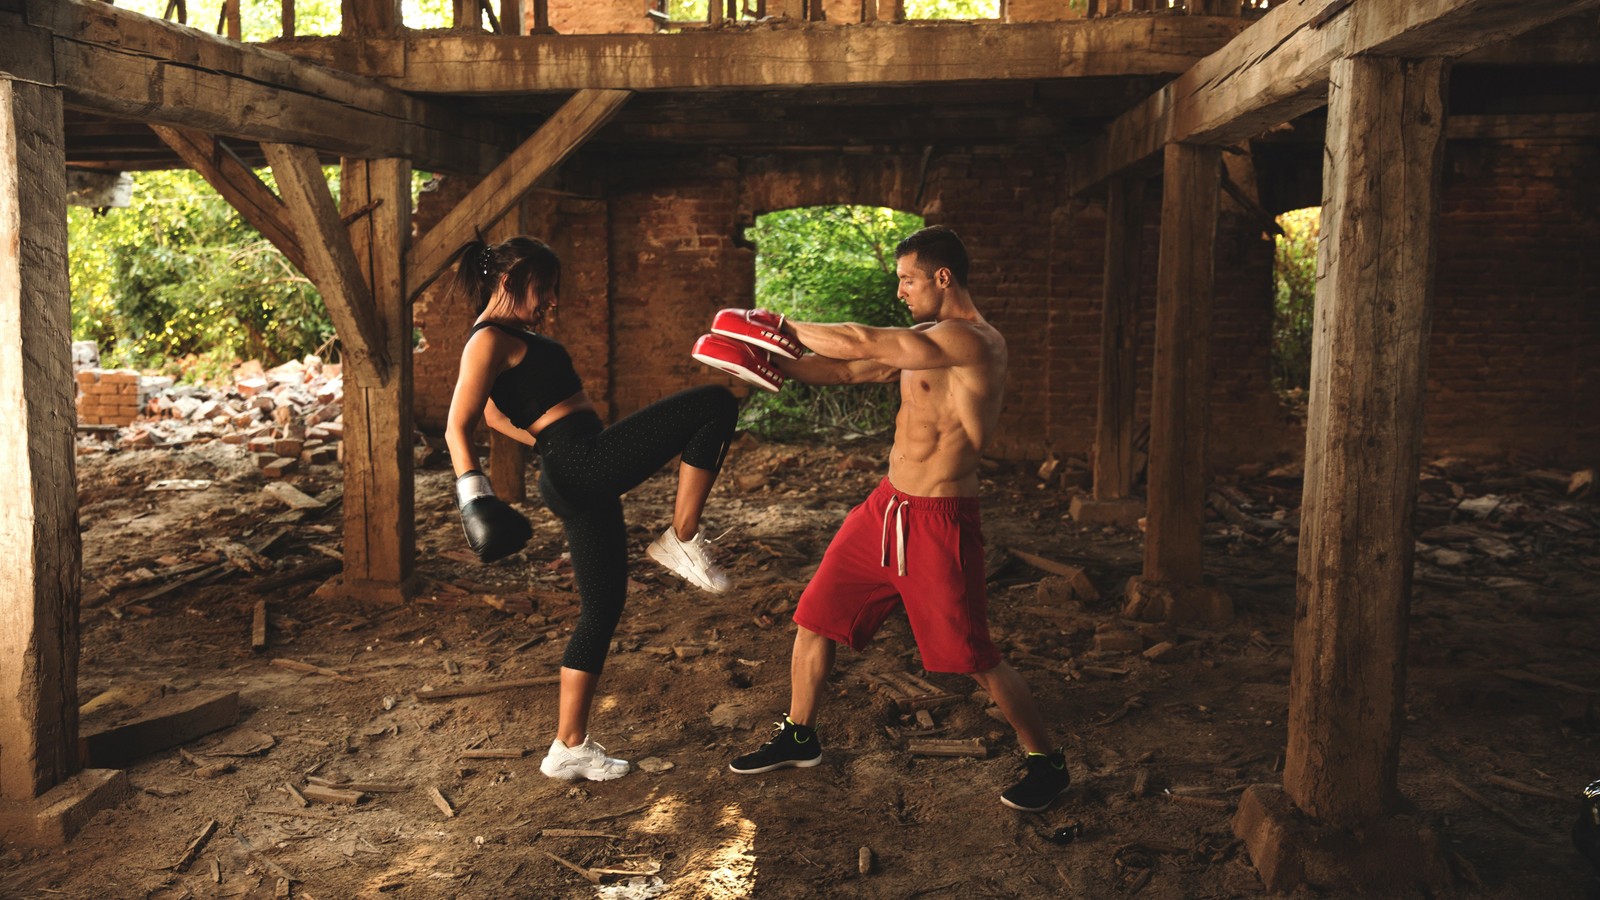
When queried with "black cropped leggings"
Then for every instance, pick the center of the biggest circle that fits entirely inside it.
(584, 470)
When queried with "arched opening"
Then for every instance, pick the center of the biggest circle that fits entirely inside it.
(1294, 277)
(828, 264)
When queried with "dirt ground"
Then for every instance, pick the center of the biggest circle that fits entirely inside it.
(1502, 671)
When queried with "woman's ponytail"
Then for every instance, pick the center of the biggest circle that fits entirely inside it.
(475, 273)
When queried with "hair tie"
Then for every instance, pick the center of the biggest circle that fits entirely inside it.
(484, 258)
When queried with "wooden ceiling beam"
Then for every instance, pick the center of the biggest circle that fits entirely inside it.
(754, 59)
(501, 189)
(109, 60)
(1278, 69)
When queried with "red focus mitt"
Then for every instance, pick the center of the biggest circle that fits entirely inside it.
(745, 361)
(761, 327)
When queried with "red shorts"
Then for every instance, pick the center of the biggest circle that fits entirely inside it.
(924, 552)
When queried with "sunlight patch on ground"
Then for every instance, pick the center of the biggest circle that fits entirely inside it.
(663, 816)
(725, 872)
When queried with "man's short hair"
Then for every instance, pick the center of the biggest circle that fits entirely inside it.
(937, 247)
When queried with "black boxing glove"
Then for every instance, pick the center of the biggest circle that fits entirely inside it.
(494, 529)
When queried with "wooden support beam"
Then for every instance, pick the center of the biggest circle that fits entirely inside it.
(1363, 435)
(366, 18)
(380, 541)
(764, 59)
(1184, 289)
(1278, 69)
(109, 60)
(40, 551)
(564, 132)
(1119, 332)
(333, 267)
(238, 184)
(508, 467)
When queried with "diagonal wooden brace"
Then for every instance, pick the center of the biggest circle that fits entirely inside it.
(331, 260)
(565, 131)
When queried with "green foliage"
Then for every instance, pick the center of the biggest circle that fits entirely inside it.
(952, 9)
(178, 280)
(828, 264)
(262, 20)
(1295, 280)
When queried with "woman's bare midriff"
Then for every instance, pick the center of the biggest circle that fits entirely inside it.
(578, 402)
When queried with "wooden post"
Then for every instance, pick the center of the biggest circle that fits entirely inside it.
(286, 19)
(1171, 586)
(1363, 435)
(508, 467)
(40, 552)
(1111, 502)
(380, 541)
(541, 16)
(511, 17)
(369, 17)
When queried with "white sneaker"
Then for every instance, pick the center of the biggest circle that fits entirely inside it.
(689, 560)
(587, 761)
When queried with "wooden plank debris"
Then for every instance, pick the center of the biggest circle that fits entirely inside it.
(258, 627)
(589, 875)
(295, 665)
(193, 849)
(909, 692)
(332, 795)
(575, 833)
(493, 753)
(159, 725)
(292, 496)
(973, 748)
(473, 690)
(443, 804)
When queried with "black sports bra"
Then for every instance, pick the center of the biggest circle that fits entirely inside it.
(544, 378)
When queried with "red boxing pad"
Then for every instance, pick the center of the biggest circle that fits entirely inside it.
(745, 361)
(760, 327)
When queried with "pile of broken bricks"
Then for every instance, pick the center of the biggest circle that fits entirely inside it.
(285, 417)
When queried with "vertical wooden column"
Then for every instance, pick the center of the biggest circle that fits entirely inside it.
(508, 468)
(1363, 435)
(368, 17)
(1111, 502)
(1171, 587)
(40, 553)
(380, 542)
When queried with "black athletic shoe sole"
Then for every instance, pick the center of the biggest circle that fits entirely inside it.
(788, 763)
(1046, 805)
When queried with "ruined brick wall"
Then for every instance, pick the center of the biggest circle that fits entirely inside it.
(598, 16)
(676, 259)
(1516, 315)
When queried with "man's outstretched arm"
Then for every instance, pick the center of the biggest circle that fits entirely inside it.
(922, 347)
(816, 369)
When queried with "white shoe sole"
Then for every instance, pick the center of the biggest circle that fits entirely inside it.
(786, 764)
(575, 774)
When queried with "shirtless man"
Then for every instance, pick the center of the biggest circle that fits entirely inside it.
(916, 540)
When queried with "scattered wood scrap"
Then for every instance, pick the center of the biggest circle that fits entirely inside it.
(909, 692)
(156, 726)
(193, 849)
(973, 748)
(472, 690)
(493, 753)
(1499, 811)
(333, 795)
(295, 665)
(292, 496)
(443, 804)
(258, 627)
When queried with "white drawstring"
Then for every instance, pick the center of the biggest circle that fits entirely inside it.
(896, 510)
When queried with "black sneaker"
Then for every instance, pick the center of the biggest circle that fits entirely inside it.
(1046, 780)
(795, 745)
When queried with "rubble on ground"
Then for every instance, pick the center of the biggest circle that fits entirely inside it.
(285, 417)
